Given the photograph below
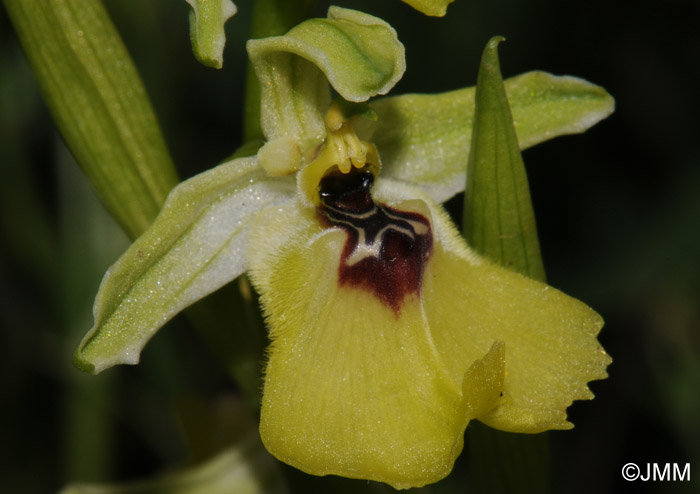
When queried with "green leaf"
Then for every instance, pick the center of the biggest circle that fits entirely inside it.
(499, 221)
(430, 7)
(98, 103)
(207, 19)
(195, 246)
(244, 469)
(425, 138)
(358, 54)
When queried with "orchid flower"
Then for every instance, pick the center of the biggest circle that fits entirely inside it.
(388, 332)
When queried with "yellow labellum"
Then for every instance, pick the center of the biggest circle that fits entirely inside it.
(357, 389)
(351, 389)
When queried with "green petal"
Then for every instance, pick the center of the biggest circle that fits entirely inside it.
(358, 54)
(355, 392)
(425, 139)
(499, 221)
(430, 7)
(207, 19)
(243, 469)
(194, 247)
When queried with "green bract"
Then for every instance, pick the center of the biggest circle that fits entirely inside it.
(468, 341)
(498, 217)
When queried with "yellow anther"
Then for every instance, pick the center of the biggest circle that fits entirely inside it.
(342, 149)
(334, 117)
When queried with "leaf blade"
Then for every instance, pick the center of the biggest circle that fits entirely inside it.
(99, 104)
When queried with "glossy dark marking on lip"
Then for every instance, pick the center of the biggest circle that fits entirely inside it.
(386, 249)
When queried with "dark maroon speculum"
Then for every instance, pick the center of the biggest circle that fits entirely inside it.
(386, 249)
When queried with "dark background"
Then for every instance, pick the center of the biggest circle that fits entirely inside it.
(618, 211)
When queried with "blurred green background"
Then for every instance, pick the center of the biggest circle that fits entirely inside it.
(618, 211)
